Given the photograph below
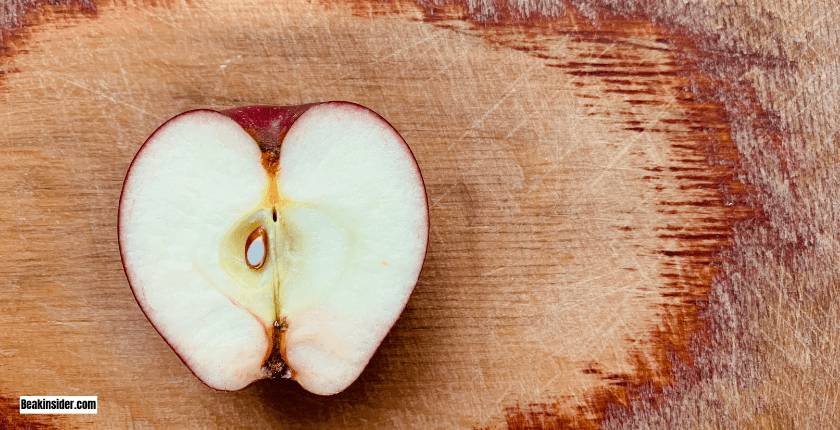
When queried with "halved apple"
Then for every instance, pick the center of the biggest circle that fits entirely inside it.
(274, 241)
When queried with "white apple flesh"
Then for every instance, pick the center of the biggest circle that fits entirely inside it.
(274, 241)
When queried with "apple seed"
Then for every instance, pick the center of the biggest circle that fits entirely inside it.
(255, 248)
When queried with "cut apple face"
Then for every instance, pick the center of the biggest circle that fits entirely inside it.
(274, 241)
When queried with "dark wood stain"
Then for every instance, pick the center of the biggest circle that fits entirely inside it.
(11, 419)
(707, 170)
(14, 30)
(20, 21)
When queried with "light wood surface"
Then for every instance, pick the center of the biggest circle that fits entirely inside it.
(629, 226)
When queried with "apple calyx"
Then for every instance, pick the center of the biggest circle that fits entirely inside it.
(274, 242)
(274, 365)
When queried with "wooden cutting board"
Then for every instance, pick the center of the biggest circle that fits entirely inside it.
(628, 226)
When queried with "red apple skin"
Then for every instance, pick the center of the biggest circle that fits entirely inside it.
(267, 125)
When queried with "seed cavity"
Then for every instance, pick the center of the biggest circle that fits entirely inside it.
(256, 249)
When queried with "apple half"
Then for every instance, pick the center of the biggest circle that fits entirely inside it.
(274, 241)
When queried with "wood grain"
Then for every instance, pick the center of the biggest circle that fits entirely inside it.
(632, 207)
